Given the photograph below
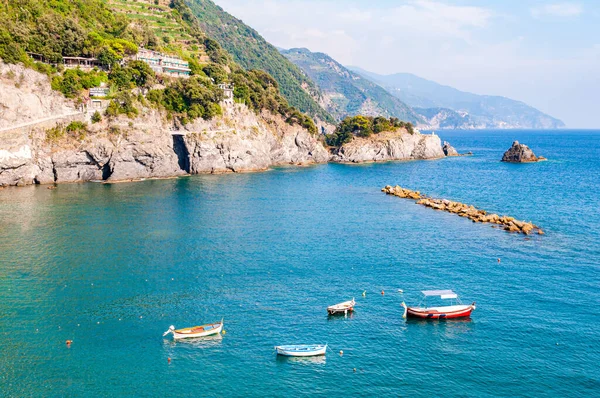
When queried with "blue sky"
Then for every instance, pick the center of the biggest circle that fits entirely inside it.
(545, 53)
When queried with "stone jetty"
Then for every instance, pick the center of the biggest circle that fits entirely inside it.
(509, 224)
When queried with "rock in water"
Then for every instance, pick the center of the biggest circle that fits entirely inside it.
(520, 153)
(390, 145)
(449, 149)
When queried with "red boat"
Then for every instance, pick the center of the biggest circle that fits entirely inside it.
(455, 310)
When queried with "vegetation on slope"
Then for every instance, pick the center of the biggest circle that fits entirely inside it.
(55, 28)
(350, 93)
(252, 51)
(364, 126)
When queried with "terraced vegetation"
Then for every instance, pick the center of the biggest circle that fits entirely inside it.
(166, 23)
(92, 28)
(252, 51)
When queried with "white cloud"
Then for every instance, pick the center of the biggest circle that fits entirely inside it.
(558, 10)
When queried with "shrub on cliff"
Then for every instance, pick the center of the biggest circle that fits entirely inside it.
(364, 126)
(123, 104)
(189, 98)
(96, 117)
(72, 81)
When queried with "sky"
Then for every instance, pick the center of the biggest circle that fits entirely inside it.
(544, 53)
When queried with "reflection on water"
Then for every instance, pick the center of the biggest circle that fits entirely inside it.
(336, 317)
(319, 360)
(196, 342)
(448, 327)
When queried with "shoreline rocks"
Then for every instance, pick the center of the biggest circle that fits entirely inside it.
(509, 224)
(449, 149)
(520, 153)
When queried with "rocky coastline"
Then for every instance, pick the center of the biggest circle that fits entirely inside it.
(37, 146)
(509, 224)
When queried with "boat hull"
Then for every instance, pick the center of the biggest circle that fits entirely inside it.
(190, 333)
(342, 308)
(440, 313)
(299, 352)
(339, 311)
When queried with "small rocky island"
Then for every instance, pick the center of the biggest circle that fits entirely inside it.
(520, 153)
(361, 139)
(509, 224)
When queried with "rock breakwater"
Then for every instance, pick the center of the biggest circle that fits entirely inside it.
(507, 223)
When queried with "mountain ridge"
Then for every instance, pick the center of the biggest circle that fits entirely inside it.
(476, 111)
(346, 93)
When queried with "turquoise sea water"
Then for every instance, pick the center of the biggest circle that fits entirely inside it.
(112, 266)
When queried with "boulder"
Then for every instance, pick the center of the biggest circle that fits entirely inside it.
(519, 153)
(449, 149)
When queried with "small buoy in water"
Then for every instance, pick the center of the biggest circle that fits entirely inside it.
(69, 343)
(382, 292)
(98, 322)
(169, 360)
(140, 317)
(77, 324)
(341, 352)
(223, 332)
(498, 259)
(556, 343)
(365, 293)
(172, 279)
(354, 370)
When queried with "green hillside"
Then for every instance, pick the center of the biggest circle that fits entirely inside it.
(252, 51)
(112, 31)
(347, 93)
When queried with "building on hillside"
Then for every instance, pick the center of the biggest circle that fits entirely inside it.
(227, 93)
(164, 64)
(101, 91)
(80, 62)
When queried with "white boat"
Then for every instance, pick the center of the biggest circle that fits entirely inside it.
(341, 308)
(195, 331)
(302, 350)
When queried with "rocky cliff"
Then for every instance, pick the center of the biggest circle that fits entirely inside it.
(397, 145)
(36, 146)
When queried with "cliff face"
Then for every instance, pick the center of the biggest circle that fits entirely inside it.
(122, 149)
(398, 145)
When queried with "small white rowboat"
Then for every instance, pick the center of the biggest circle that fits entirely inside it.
(307, 350)
(341, 308)
(196, 331)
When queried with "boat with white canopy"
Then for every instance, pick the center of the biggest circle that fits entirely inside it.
(301, 350)
(195, 331)
(455, 309)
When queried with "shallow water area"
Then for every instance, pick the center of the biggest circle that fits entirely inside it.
(111, 267)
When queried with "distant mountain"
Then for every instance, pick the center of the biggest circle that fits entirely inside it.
(453, 108)
(252, 51)
(346, 93)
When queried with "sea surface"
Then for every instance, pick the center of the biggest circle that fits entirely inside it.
(111, 267)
